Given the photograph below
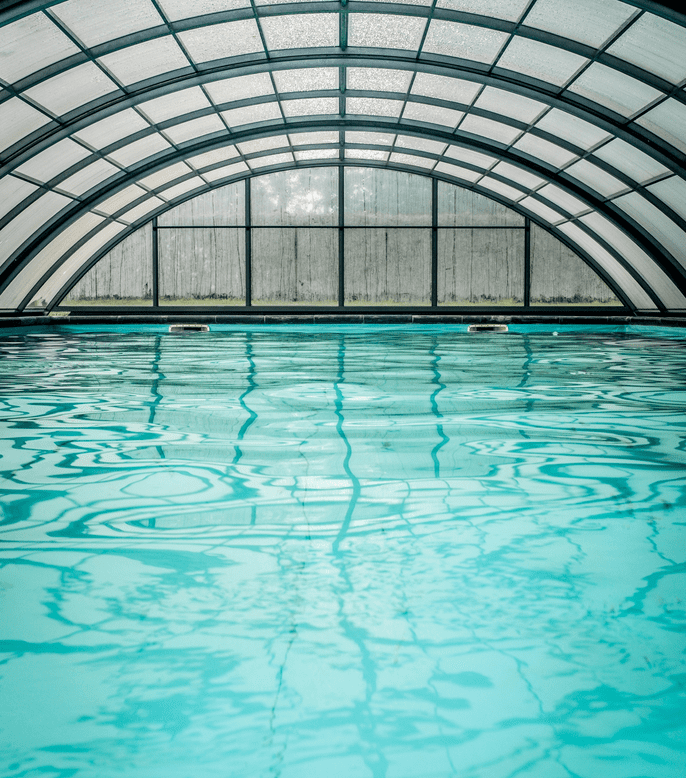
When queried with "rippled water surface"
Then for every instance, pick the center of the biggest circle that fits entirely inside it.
(354, 551)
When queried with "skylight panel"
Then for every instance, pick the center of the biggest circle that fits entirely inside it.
(30, 44)
(53, 160)
(139, 150)
(455, 90)
(432, 114)
(307, 138)
(505, 103)
(121, 199)
(141, 210)
(672, 192)
(236, 169)
(12, 192)
(629, 160)
(176, 104)
(541, 209)
(487, 128)
(511, 10)
(373, 106)
(263, 144)
(412, 159)
(86, 178)
(310, 106)
(28, 220)
(614, 90)
(165, 176)
(196, 128)
(541, 61)
(213, 157)
(186, 9)
(300, 31)
(379, 79)
(656, 223)
(92, 26)
(385, 31)
(517, 174)
(421, 144)
(572, 129)
(460, 172)
(371, 154)
(308, 154)
(588, 21)
(470, 157)
(463, 41)
(250, 114)
(542, 149)
(17, 120)
(656, 45)
(112, 129)
(73, 88)
(306, 79)
(596, 178)
(504, 190)
(145, 60)
(274, 159)
(221, 41)
(565, 200)
(402, 2)
(370, 138)
(668, 121)
(183, 188)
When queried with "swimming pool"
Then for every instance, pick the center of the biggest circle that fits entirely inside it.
(346, 551)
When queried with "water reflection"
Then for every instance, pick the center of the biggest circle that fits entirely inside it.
(352, 552)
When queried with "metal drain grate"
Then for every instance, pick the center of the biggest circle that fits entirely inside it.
(487, 328)
(189, 328)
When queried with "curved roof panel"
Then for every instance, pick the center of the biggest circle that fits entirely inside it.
(573, 114)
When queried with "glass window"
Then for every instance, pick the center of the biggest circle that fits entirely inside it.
(296, 197)
(480, 267)
(487, 128)
(219, 40)
(12, 192)
(410, 142)
(542, 149)
(229, 90)
(667, 121)
(432, 114)
(28, 221)
(303, 156)
(541, 209)
(310, 106)
(264, 144)
(73, 88)
(139, 150)
(596, 178)
(656, 223)
(412, 159)
(122, 277)
(614, 90)
(560, 277)
(444, 88)
(385, 31)
(458, 207)
(88, 177)
(504, 190)
(17, 120)
(226, 172)
(372, 154)
(183, 188)
(185, 9)
(307, 138)
(30, 44)
(216, 274)
(141, 210)
(587, 21)
(121, 199)
(370, 138)
(112, 129)
(629, 160)
(656, 45)
(470, 157)
(501, 9)
(251, 114)
(380, 79)
(375, 197)
(300, 31)
(504, 103)
(464, 41)
(165, 176)
(460, 172)
(274, 159)
(53, 160)
(196, 128)
(572, 129)
(176, 104)
(387, 266)
(213, 157)
(517, 174)
(145, 60)
(222, 207)
(672, 191)
(373, 106)
(292, 266)
(306, 79)
(563, 199)
(88, 22)
(541, 61)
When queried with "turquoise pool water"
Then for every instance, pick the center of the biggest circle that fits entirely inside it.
(385, 552)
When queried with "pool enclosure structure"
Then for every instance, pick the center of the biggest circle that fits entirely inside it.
(436, 156)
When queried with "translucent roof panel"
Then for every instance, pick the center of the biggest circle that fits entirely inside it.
(213, 157)
(88, 177)
(542, 210)
(371, 154)
(501, 9)
(139, 150)
(183, 188)
(91, 26)
(237, 168)
(478, 125)
(587, 21)
(53, 160)
(668, 121)
(463, 41)
(432, 114)
(274, 159)
(306, 138)
(378, 197)
(571, 128)
(30, 44)
(514, 173)
(381, 79)
(462, 173)
(145, 60)
(306, 79)
(229, 90)
(672, 192)
(17, 120)
(630, 160)
(300, 31)
(505, 103)
(565, 200)
(541, 61)
(141, 210)
(30, 219)
(313, 154)
(373, 106)
(411, 159)
(112, 129)
(656, 45)
(310, 106)
(444, 88)
(385, 31)
(504, 190)
(251, 114)
(196, 128)
(165, 175)
(73, 88)
(657, 223)
(614, 90)
(185, 9)
(595, 178)
(176, 104)
(549, 152)
(12, 192)
(470, 157)
(121, 199)
(421, 144)
(263, 144)
(220, 41)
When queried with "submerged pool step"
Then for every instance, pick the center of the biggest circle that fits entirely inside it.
(185, 328)
(487, 328)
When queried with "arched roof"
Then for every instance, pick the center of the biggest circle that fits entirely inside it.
(574, 114)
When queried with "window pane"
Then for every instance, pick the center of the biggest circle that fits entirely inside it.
(487, 128)
(541, 61)
(549, 152)
(220, 207)
(412, 159)
(464, 41)
(385, 31)
(88, 177)
(517, 174)
(296, 197)
(460, 172)
(480, 267)
(563, 199)
(196, 128)
(373, 106)
(614, 90)
(250, 114)
(504, 190)
(122, 277)
(458, 207)
(387, 267)
(596, 178)
(310, 106)
(672, 191)
(470, 157)
(410, 142)
(202, 266)
(587, 21)
(386, 197)
(561, 277)
(139, 150)
(263, 144)
(541, 209)
(293, 266)
(432, 114)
